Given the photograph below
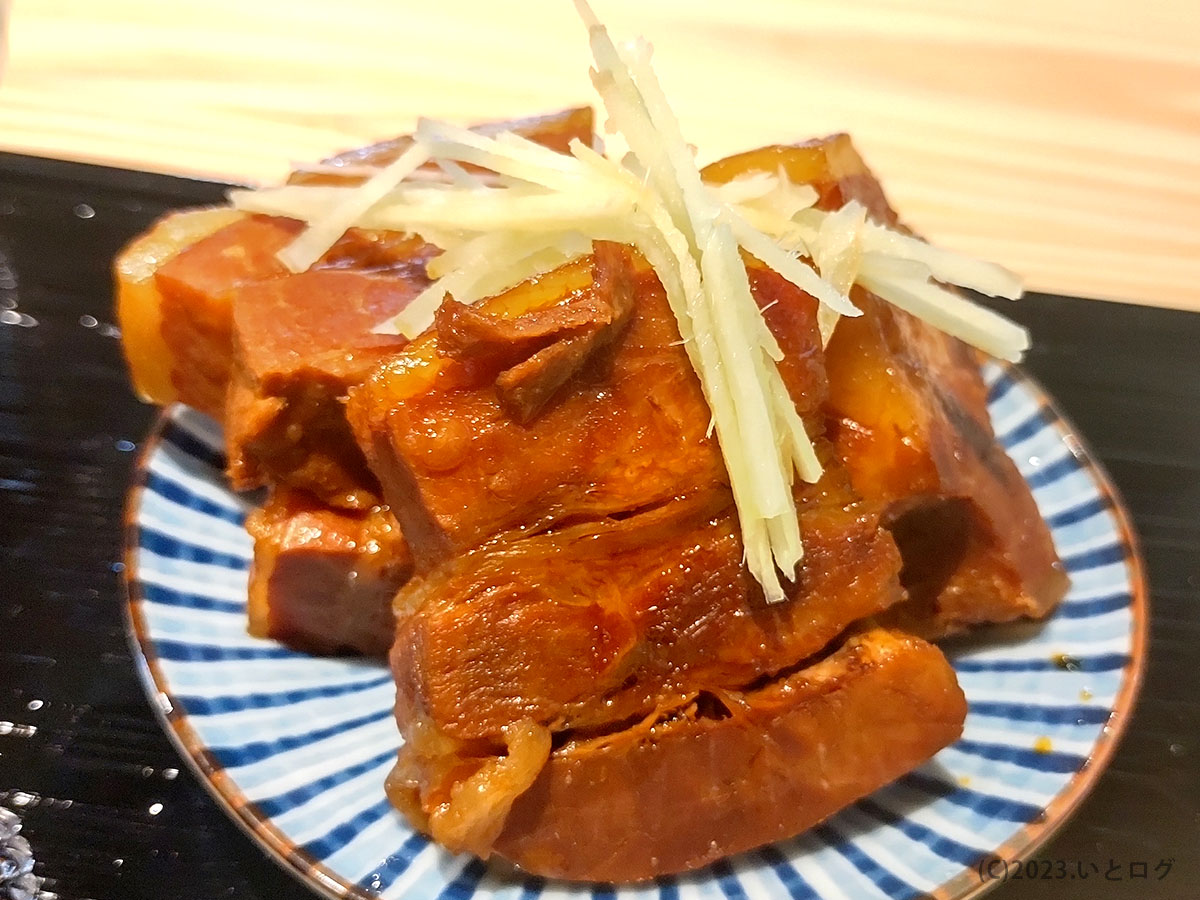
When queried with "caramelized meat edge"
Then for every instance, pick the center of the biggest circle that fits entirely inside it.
(711, 778)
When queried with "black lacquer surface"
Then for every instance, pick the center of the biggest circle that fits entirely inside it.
(113, 813)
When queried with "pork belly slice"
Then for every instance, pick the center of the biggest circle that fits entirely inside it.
(175, 288)
(715, 776)
(174, 333)
(596, 623)
(831, 165)
(300, 343)
(908, 415)
(619, 422)
(196, 286)
(173, 283)
(322, 579)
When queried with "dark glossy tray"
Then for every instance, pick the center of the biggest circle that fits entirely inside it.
(109, 808)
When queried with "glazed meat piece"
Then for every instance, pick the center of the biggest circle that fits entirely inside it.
(173, 283)
(196, 286)
(629, 599)
(300, 343)
(712, 777)
(830, 165)
(323, 580)
(909, 417)
(624, 428)
(176, 345)
(584, 631)
(589, 682)
(593, 624)
(175, 288)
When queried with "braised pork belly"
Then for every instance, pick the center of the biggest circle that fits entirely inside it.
(526, 507)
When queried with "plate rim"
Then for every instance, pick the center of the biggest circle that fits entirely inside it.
(280, 849)
(969, 884)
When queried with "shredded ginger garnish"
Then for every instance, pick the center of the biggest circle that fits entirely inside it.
(542, 208)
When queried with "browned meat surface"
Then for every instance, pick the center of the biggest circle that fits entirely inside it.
(908, 414)
(176, 286)
(300, 343)
(155, 368)
(185, 299)
(322, 579)
(596, 623)
(584, 635)
(604, 585)
(627, 428)
(174, 283)
(831, 165)
(712, 777)
(543, 348)
(588, 680)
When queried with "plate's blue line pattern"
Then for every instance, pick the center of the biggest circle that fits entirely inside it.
(339, 835)
(257, 751)
(1053, 472)
(463, 887)
(1096, 557)
(1109, 662)
(304, 741)
(532, 888)
(179, 651)
(384, 874)
(1048, 715)
(1039, 420)
(727, 881)
(277, 806)
(986, 805)
(175, 492)
(174, 548)
(1049, 761)
(1098, 606)
(1095, 506)
(945, 847)
(998, 389)
(889, 884)
(792, 881)
(153, 593)
(216, 705)
(191, 439)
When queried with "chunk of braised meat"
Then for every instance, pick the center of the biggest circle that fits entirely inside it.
(322, 580)
(621, 423)
(301, 342)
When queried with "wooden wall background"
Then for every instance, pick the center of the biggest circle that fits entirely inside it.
(1061, 137)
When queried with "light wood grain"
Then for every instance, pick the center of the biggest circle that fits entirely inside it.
(1060, 137)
